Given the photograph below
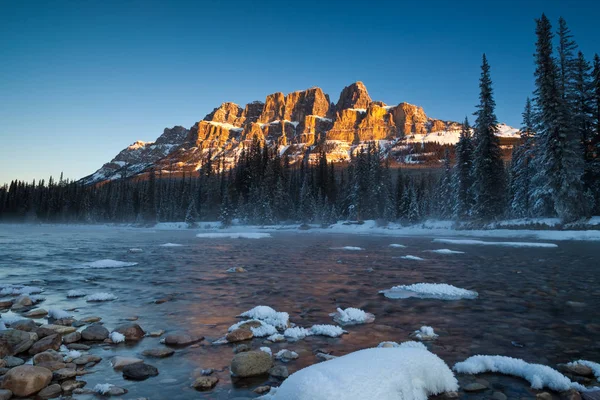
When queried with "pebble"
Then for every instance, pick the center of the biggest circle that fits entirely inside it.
(279, 372)
(160, 352)
(499, 396)
(262, 389)
(205, 383)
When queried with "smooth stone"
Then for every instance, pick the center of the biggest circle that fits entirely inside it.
(262, 389)
(543, 396)
(86, 359)
(64, 321)
(116, 391)
(71, 338)
(64, 373)
(571, 394)
(43, 332)
(474, 387)
(580, 369)
(279, 372)
(26, 325)
(51, 342)
(95, 333)
(46, 356)
(21, 302)
(5, 394)
(90, 320)
(52, 365)
(240, 348)
(119, 362)
(181, 339)
(499, 396)
(36, 313)
(156, 333)
(5, 304)
(132, 332)
(78, 346)
(205, 383)
(63, 330)
(139, 372)
(50, 392)
(12, 362)
(26, 380)
(160, 352)
(251, 363)
(239, 335)
(70, 385)
(13, 341)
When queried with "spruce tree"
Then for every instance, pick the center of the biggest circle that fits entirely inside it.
(488, 168)
(520, 168)
(463, 178)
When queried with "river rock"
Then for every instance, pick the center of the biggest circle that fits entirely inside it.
(119, 362)
(94, 332)
(13, 341)
(52, 365)
(5, 304)
(239, 335)
(78, 346)
(181, 339)
(156, 333)
(251, 363)
(64, 373)
(5, 394)
(70, 385)
(43, 332)
(279, 372)
(543, 396)
(64, 321)
(49, 342)
(2, 363)
(46, 356)
(26, 325)
(116, 391)
(474, 387)
(91, 320)
(86, 359)
(50, 392)
(26, 380)
(205, 383)
(579, 369)
(132, 332)
(71, 338)
(160, 352)
(139, 372)
(240, 348)
(11, 362)
(21, 302)
(63, 330)
(262, 389)
(499, 396)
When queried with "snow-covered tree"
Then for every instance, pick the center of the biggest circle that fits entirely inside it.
(463, 170)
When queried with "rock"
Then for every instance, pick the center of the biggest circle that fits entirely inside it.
(64, 373)
(2, 363)
(71, 338)
(12, 362)
(86, 359)
(279, 372)
(450, 395)
(132, 332)
(579, 369)
(50, 392)
(237, 269)
(52, 365)
(240, 348)
(139, 371)
(51, 342)
(354, 96)
(571, 394)
(3, 371)
(181, 339)
(26, 380)
(90, 320)
(70, 385)
(94, 332)
(5, 394)
(156, 333)
(43, 332)
(21, 302)
(5, 304)
(119, 362)
(239, 335)
(116, 391)
(262, 389)
(474, 387)
(26, 325)
(63, 330)
(543, 396)
(205, 383)
(207, 372)
(160, 352)
(251, 363)
(64, 321)
(13, 342)
(499, 396)
(46, 356)
(286, 355)
(78, 346)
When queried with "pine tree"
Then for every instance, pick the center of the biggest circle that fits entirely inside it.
(463, 178)
(520, 169)
(226, 214)
(191, 215)
(445, 198)
(488, 168)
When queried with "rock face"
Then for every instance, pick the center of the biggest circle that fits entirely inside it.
(251, 363)
(297, 124)
(26, 380)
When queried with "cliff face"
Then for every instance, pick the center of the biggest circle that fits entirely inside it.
(295, 124)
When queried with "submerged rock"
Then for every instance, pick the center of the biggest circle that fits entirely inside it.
(205, 383)
(181, 339)
(251, 363)
(139, 372)
(160, 352)
(50, 392)
(132, 332)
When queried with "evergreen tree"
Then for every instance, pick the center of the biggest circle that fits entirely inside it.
(488, 168)
(520, 169)
(191, 215)
(463, 169)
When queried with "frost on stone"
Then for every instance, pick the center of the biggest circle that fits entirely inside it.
(58, 314)
(425, 333)
(117, 337)
(100, 264)
(75, 293)
(297, 333)
(327, 330)
(101, 296)
(277, 337)
(414, 258)
(539, 376)
(595, 367)
(267, 350)
(383, 374)
(103, 388)
(352, 316)
(266, 314)
(261, 331)
(36, 298)
(439, 291)
(16, 290)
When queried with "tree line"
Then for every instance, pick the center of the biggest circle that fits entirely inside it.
(554, 170)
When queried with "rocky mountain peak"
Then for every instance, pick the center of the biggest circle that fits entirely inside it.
(354, 96)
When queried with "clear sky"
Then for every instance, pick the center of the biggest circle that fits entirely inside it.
(81, 80)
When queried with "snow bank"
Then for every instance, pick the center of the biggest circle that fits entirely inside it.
(539, 376)
(268, 315)
(414, 258)
(234, 235)
(102, 388)
(171, 245)
(58, 314)
(425, 333)
(75, 293)
(445, 251)
(101, 296)
(440, 291)
(594, 366)
(352, 316)
(383, 374)
(505, 244)
(109, 264)
(349, 248)
(117, 337)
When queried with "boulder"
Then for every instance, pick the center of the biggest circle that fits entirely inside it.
(50, 392)
(71, 338)
(139, 371)
(26, 380)
(251, 363)
(63, 330)
(51, 342)
(64, 374)
(46, 356)
(160, 352)
(94, 332)
(132, 332)
(181, 339)
(279, 372)
(239, 335)
(13, 342)
(205, 383)
(26, 325)
(119, 362)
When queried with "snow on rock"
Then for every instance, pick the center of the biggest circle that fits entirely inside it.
(352, 316)
(595, 367)
(117, 337)
(135, 250)
(37, 298)
(381, 373)
(58, 314)
(414, 258)
(539, 376)
(286, 355)
(445, 251)
(403, 345)
(348, 248)
(109, 264)
(297, 333)
(75, 293)
(266, 314)
(267, 350)
(327, 330)
(425, 333)
(277, 337)
(440, 291)
(72, 354)
(484, 243)
(2, 326)
(103, 388)
(397, 246)
(101, 296)
(234, 235)
(10, 319)
(171, 245)
(16, 290)
(261, 331)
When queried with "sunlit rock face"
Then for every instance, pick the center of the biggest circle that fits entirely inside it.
(299, 124)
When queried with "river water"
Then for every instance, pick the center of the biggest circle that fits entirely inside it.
(539, 304)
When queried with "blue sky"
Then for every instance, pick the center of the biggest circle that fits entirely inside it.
(79, 81)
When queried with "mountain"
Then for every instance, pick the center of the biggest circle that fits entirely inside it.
(299, 124)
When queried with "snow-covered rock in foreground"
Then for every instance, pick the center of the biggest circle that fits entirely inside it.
(504, 244)
(595, 367)
(261, 331)
(381, 373)
(403, 345)
(109, 264)
(266, 314)
(16, 290)
(439, 291)
(425, 333)
(539, 376)
(103, 388)
(348, 248)
(101, 296)
(352, 316)
(58, 314)
(297, 332)
(234, 235)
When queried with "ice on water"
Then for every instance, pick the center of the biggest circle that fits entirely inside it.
(439, 291)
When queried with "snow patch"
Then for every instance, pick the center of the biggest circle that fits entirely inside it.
(595, 367)
(440, 291)
(349, 248)
(268, 315)
(327, 330)
(262, 331)
(445, 251)
(73, 354)
(103, 388)
(75, 293)
(171, 245)
(15, 290)
(505, 244)
(109, 264)
(425, 333)
(397, 246)
(58, 314)
(267, 350)
(414, 258)
(117, 337)
(352, 316)
(101, 296)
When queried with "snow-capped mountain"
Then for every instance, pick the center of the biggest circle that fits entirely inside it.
(299, 124)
